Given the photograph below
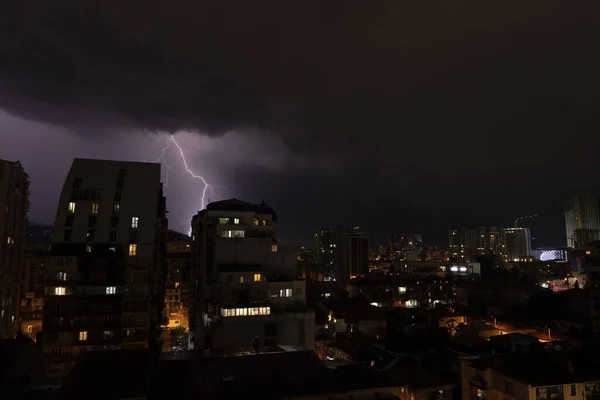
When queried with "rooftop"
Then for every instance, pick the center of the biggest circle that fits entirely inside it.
(239, 205)
(549, 367)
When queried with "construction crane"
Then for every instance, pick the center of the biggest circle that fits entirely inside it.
(522, 218)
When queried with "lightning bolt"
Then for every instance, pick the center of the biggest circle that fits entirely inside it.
(206, 186)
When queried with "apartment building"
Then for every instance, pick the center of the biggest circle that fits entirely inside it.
(178, 280)
(105, 273)
(14, 204)
(245, 289)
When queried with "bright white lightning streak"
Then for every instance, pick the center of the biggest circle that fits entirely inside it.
(161, 159)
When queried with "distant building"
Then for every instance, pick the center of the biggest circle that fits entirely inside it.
(14, 203)
(178, 282)
(467, 243)
(342, 251)
(33, 283)
(246, 281)
(582, 221)
(404, 247)
(305, 261)
(105, 273)
(516, 244)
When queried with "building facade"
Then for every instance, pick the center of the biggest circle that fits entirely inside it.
(342, 252)
(466, 244)
(582, 223)
(33, 282)
(105, 273)
(178, 280)
(14, 204)
(516, 244)
(245, 286)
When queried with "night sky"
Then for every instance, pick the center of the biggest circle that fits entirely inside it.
(388, 115)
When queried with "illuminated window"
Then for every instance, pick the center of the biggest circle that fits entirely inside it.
(133, 249)
(134, 222)
(264, 222)
(111, 290)
(401, 289)
(95, 208)
(72, 207)
(116, 208)
(176, 285)
(255, 222)
(588, 252)
(223, 220)
(256, 277)
(88, 248)
(60, 291)
(274, 248)
(83, 335)
(236, 221)
(232, 234)
(61, 276)
(241, 279)
(8, 240)
(285, 292)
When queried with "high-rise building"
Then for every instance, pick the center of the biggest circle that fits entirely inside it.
(581, 220)
(245, 288)
(105, 273)
(355, 256)
(334, 251)
(14, 204)
(469, 242)
(515, 243)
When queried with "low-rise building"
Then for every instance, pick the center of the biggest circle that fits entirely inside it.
(549, 374)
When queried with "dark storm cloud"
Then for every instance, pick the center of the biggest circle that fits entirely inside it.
(493, 99)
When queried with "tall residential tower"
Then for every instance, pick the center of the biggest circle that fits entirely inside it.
(105, 273)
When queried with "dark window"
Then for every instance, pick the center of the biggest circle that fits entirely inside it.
(69, 221)
(92, 219)
(122, 173)
(114, 222)
(77, 183)
(67, 235)
(91, 233)
(74, 194)
(116, 208)
(573, 390)
(270, 342)
(117, 196)
(229, 278)
(120, 184)
(133, 235)
(113, 236)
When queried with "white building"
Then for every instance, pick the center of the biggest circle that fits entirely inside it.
(245, 287)
(106, 268)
